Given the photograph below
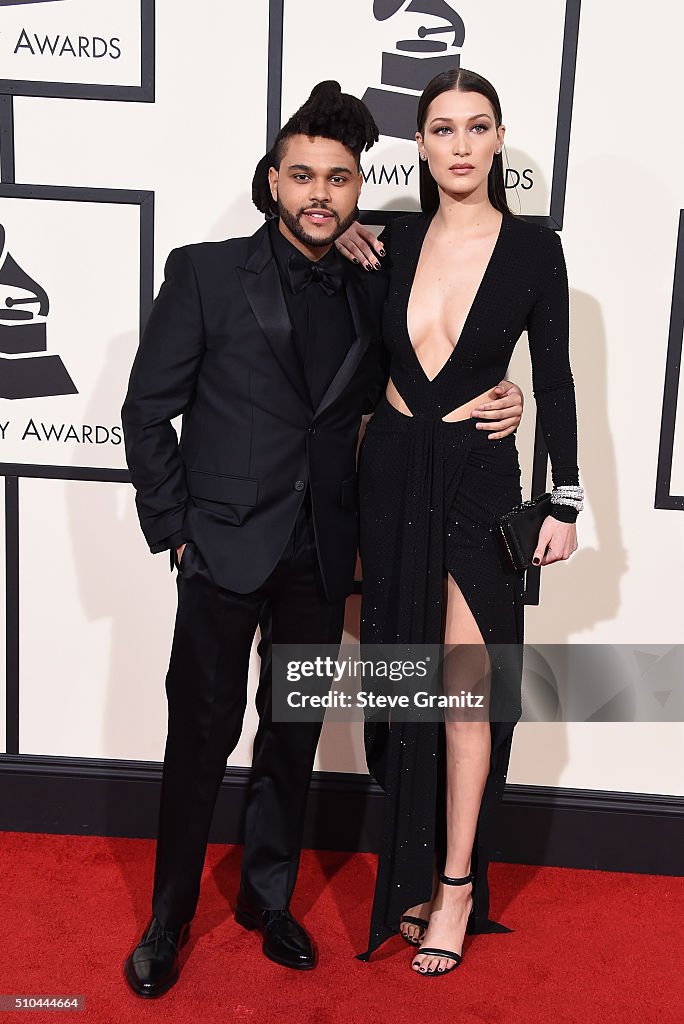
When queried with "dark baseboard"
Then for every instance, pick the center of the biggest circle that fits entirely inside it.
(542, 825)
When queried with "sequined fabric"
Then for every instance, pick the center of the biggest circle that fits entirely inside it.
(430, 494)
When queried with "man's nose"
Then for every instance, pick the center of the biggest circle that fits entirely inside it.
(320, 190)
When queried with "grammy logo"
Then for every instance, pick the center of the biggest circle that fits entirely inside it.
(416, 62)
(26, 368)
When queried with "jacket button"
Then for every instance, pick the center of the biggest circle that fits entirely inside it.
(312, 430)
(299, 485)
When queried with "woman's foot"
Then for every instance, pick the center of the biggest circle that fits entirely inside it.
(412, 932)
(446, 930)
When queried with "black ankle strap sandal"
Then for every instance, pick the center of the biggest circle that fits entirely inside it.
(456, 881)
(448, 953)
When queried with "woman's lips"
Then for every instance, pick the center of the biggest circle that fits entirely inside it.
(461, 170)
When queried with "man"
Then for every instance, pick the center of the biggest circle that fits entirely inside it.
(269, 346)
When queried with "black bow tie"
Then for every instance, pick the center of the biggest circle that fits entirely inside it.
(303, 271)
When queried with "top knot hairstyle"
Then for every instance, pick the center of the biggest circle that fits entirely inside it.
(328, 113)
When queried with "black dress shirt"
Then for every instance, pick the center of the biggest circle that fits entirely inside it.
(322, 324)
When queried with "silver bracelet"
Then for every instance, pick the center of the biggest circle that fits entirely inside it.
(568, 494)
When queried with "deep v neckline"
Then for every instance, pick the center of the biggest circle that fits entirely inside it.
(473, 304)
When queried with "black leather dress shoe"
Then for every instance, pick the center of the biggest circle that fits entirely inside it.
(285, 940)
(152, 967)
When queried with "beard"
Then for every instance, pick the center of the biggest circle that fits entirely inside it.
(293, 222)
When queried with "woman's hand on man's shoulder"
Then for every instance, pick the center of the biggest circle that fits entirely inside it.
(360, 245)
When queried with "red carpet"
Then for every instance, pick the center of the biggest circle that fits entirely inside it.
(588, 946)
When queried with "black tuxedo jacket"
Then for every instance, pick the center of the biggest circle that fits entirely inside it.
(218, 349)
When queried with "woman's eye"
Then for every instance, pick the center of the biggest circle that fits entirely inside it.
(442, 129)
(484, 128)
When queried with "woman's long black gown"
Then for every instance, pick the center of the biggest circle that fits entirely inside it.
(430, 492)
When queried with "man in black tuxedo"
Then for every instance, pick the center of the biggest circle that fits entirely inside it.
(269, 347)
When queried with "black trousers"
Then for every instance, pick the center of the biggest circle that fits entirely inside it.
(206, 687)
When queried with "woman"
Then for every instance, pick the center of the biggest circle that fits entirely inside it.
(466, 277)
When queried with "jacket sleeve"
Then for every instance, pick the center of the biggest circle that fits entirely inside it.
(161, 387)
(552, 380)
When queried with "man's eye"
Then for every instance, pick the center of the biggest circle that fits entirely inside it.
(337, 180)
(301, 177)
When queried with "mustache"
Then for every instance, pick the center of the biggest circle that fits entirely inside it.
(319, 206)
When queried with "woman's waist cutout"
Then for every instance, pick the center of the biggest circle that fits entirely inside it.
(455, 415)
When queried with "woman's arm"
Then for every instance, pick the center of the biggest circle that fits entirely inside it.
(554, 390)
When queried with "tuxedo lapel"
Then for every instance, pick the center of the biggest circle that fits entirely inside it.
(261, 283)
(359, 304)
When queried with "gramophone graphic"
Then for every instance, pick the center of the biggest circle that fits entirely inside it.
(26, 369)
(395, 112)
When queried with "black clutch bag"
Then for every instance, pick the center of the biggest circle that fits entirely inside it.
(519, 529)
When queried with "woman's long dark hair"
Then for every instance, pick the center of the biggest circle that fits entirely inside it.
(463, 81)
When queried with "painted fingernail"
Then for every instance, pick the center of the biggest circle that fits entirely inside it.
(367, 266)
(354, 260)
(536, 561)
(382, 252)
(377, 266)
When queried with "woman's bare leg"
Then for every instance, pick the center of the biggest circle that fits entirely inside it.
(468, 749)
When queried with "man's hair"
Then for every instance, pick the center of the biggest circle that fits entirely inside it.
(328, 113)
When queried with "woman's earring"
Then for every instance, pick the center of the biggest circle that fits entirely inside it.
(422, 156)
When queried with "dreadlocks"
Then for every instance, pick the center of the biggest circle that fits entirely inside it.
(328, 113)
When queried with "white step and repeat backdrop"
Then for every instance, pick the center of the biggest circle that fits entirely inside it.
(137, 130)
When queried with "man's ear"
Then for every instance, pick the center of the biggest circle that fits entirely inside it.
(273, 183)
